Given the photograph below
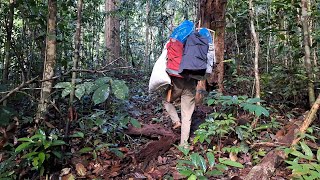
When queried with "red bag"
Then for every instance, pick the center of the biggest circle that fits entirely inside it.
(174, 56)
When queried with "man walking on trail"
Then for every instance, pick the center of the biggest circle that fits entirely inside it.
(183, 89)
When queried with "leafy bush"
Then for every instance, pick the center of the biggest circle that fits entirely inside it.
(39, 149)
(303, 162)
(235, 103)
(100, 89)
(198, 166)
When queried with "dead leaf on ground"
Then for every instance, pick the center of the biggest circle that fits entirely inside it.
(233, 156)
(68, 177)
(81, 170)
(65, 171)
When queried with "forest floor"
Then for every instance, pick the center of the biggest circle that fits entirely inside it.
(142, 157)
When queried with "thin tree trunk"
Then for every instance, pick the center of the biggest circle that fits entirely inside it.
(146, 56)
(112, 31)
(256, 50)
(50, 60)
(9, 26)
(76, 51)
(306, 41)
(213, 17)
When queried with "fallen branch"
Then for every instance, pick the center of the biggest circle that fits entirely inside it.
(269, 163)
(17, 88)
(309, 119)
(153, 148)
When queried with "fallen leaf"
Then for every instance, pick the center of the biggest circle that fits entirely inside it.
(68, 177)
(123, 149)
(233, 156)
(49, 125)
(81, 170)
(65, 171)
(97, 168)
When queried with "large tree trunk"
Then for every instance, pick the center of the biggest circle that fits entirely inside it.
(306, 41)
(213, 17)
(76, 51)
(256, 50)
(9, 25)
(112, 31)
(50, 60)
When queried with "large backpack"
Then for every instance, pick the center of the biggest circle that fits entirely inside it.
(176, 45)
(198, 55)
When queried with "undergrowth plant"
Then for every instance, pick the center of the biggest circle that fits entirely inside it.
(40, 149)
(202, 165)
(304, 163)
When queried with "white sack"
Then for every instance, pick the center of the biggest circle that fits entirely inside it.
(159, 77)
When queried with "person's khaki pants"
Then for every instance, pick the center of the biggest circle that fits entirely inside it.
(183, 89)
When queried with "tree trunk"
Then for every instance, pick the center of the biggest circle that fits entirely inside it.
(146, 56)
(213, 17)
(76, 52)
(256, 49)
(50, 60)
(9, 26)
(306, 41)
(112, 31)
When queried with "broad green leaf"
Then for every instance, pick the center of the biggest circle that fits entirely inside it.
(318, 155)
(299, 154)
(66, 92)
(25, 139)
(85, 150)
(117, 152)
(184, 150)
(101, 94)
(102, 81)
(230, 163)
(195, 159)
(120, 89)
(135, 123)
(29, 155)
(80, 90)
(192, 177)
(42, 157)
(306, 149)
(210, 102)
(214, 173)
(57, 143)
(63, 85)
(185, 172)
(77, 135)
(35, 162)
(90, 87)
(23, 146)
(211, 160)
(261, 110)
(183, 162)
(202, 163)
(57, 154)
(253, 100)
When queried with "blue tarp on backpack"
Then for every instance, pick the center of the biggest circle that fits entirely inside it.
(205, 33)
(181, 32)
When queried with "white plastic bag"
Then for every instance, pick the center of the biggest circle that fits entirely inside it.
(159, 77)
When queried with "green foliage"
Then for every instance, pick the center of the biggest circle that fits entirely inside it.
(197, 166)
(100, 89)
(304, 163)
(6, 114)
(234, 103)
(201, 166)
(39, 148)
(216, 125)
(99, 145)
(6, 167)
